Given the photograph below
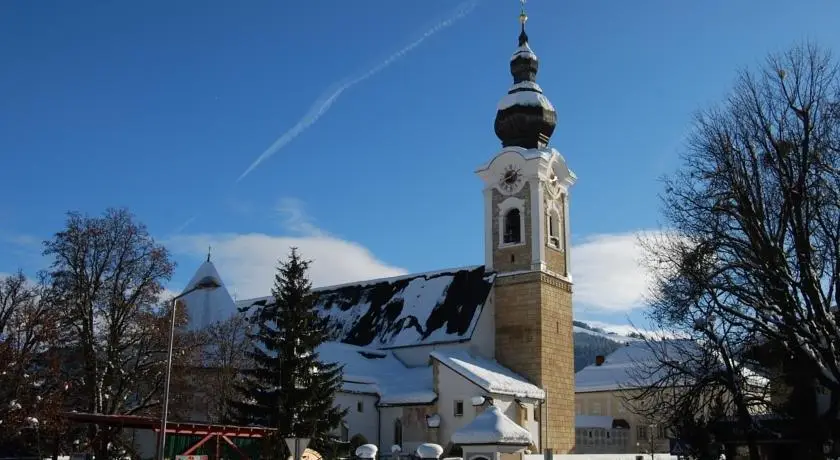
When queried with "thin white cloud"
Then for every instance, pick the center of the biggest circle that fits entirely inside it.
(295, 218)
(247, 262)
(323, 103)
(608, 274)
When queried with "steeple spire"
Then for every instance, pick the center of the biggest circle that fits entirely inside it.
(523, 18)
(525, 118)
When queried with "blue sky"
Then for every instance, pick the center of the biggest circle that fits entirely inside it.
(161, 106)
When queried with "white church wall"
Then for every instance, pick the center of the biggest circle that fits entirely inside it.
(452, 387)
(483, 342)
(419, 355)
(389, 417)
(362, 414)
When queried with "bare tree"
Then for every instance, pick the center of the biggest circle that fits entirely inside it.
(106, 276)
(702, 378)
(755, 214)
(221, 361)
(32, 389)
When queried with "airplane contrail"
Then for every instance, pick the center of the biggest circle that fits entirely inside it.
(323, 103)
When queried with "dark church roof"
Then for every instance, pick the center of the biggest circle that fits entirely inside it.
(525, 117)
(416, 309)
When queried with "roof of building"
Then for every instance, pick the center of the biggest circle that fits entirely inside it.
(207, 306)
(621, 368)
(638, 364)
(379, 372)
(494, 428)
(417, 309)
(594, 421)
(488, 374)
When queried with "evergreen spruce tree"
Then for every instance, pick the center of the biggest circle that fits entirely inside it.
(287, 387)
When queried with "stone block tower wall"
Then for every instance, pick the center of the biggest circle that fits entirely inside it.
(534, 339)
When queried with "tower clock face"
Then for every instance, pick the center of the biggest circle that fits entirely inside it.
(511, 178)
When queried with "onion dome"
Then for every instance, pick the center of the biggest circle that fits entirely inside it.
(525, 117)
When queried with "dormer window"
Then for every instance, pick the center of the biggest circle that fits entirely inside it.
(513, 227)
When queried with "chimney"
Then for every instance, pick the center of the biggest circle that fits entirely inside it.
(599, 360)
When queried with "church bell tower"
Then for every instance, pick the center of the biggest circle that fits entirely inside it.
(526, 209)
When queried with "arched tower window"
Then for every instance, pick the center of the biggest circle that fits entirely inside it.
(513, 227)
(554, 237)
(398, 435)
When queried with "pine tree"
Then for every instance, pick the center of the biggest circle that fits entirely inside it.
(287, 387)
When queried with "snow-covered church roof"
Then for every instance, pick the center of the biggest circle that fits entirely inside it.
(488, 374)
(492, 427)
(417, 309)
(207, 306)
(379, 372)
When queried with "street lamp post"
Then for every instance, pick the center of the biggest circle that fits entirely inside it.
(207, 283)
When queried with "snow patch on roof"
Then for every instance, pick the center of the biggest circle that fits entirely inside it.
(488, 374)
(594, 421)
(206, 307)
(523, 85)
(619, 370)
(492, 427)
(527, 98)
(417, 309)
(524, 51)
(372, 371)
(638, 365)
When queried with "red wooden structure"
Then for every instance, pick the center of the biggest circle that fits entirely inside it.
(218, 433)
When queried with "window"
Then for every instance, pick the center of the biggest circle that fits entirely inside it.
(398, 432)
(360, 406)
(553, 230)
(642, 432)
(525, 413)
(513, 229)
(459, 408)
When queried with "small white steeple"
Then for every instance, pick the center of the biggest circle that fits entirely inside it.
(206, 307)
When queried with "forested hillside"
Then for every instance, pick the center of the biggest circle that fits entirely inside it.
(591, 341)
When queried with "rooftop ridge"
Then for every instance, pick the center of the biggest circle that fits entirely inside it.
(390, 279)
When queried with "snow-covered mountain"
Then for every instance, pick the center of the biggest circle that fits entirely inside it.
(591, 341)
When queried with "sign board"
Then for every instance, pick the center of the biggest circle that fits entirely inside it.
(296, 447)
(191, 457)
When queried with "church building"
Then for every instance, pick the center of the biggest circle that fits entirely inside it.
(425, 354)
